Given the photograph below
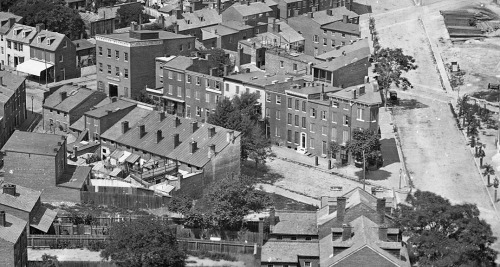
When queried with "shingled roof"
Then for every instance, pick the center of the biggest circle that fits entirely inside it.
(21, 33)
(34, 143)
(48, 40)
(13, 229)
(74, 97)
(296, 222)
(25, 199)
(286, 251)
(253, 9)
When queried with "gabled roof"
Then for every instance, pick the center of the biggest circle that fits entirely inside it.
(253, 9)
(25, 198)
(21, 33)
(42, 218)
(74, 97)
(296, 222)
(339, 26)
(288, 251)
(364, 243)
(218, 30)
(179, 63)
(48, 40)
(346, 48)
(10, 83)
(197, 19)
(4, 25)
(167, 8)
(369, 97)
(236, 25)
(322, 17)
(13, 229)
(83, 44)
(343, 61)
(133, 117)
(113, 106)
(165, 147)
(125, 36)
(34, 143)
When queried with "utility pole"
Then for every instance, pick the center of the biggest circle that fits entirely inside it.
(364, 170)
(495, 184)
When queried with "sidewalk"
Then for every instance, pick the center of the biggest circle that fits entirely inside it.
(289, 194)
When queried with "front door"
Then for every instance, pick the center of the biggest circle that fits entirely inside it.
(113, 90)
(303, 140)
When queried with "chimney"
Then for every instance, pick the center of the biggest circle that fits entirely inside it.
(176, 140)
(63, 95)
(1, 80)
(161, 116)
(311, 15)
(211, 151)
(109, 111)
(194, 125)
(3, 222)
(381, 209)
(345, 19)
(226, 70)
(124, 126)
(248, 2)
(374, 191)
(367, 79)
(133, 26)
(321, 97)
(382, 233)
(142, 130)
(354, 93)
(11, 22)
(329, 12)
(40, 27)
(341, 203)
(230, 136)
(177, 122)
(140, 21)
(9, 189)
(75, 151)
(346, 232)
(158, 136)
(194, 147)
(211, 131)
(261, 230)
(272, 218)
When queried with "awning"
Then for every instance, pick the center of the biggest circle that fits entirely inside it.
(133, 158)
(173, 99)
(124, 156)
(42, 219)
(33, 67)
(116, 154)
(115, 172)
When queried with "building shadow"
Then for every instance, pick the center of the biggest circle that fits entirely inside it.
(261, 173)
(32, 120)
(389, 151)
(410, 104)
(378, 175)
(361, 9)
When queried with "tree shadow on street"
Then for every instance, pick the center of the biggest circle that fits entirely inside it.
(410, 104)
(377, 175)
(261, 173)
(361, 9)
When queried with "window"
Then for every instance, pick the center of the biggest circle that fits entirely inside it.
(65, 44)
(294, 66)
(345, 136)
(217, 99)
(179, 91)
(207, 83)
(109, 69)
(161, 79)
(181, 47)
(373, 115)
(345, 120)
(311, 143)
(276, 131)
(125, 71)
(227, 87)
(313, 112)
(188, 92)
(334, 134)
(304, 106)
(333, 43)
(293, 238)
(197, 95)
(237, 89)
(304, 122)
(297, 139)
(207, 97)
(100, 67)
(109, 52)
(247, 90)
(311, 127)
(359, 114)
(125, 56)
(179, 77)
(316, 51)
(289, 103)
(61, 58)
(289, 136)
(325, 41)
(296, 120)
(282, 64)
(324, 130)
(217, 85)
(323, 115)
(198, 80)
(267, 113)
(189, 46)
(117, 71)
(278, 99)
(268, 97)
(170, 74)
(335, 104)
(324, 151)
(170, 89)
(278, 114)
(15, 46)
(289, 119)
(198, 111)
(9, 44)
(343, 35)
(297, 104)
(188, 111)
(188, 78)
(2, 50)
(117, 54)
(315, 38)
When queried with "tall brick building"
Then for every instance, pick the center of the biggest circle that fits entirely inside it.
(125, 60)
(12, 104)
(250, 13)
(7, 21)
(293, 8)
(13, 241)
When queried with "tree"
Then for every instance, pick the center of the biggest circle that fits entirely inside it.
(143, 242)
(49, 260)
(363, 140)
(181, 204)
(488, 171)
(218, 58)
(391, 63)
(227, 202)
(5, 5)
(54, 14)
(128, 13)
(144, 98)
(333, 148)
(243, 114)
(153, 26)
(442, 234)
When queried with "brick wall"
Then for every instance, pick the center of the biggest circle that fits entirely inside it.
(366, 257)
(13, 112)
(226, 162)
(68, 63)
(21, 214)
(6, 253)
(352, 74)
(29, 170)
(58, 118)
(290, 64)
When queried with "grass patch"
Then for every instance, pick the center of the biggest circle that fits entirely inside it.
(284, 203)
(212, 255)
(490, 95)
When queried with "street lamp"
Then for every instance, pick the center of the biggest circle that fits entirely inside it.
(495, 184)
(32, 104)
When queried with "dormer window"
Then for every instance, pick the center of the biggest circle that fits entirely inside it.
(17, 31)
(49, 41)
(40, 39)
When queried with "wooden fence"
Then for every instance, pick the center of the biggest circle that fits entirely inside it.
(75, 264)
(127, 201)
(188, 244)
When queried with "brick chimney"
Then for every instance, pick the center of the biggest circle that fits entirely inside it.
(311, 15)
(341, 203)
(230, 136)
(211, 131)
(194, 126)
(176, 140)
(3, 221)
(272, 218)
(329, 12)
(211, 151)
(142, 130)
(1, 80)
(159, 136)
(124, 126)
(64, 95)
(40, 27)
(381, 209)
(382, 233)
(346, 232)
(9, 189)
(261, 231)
(345, 19)
(194, 147)
(161, 115)
(177, 122)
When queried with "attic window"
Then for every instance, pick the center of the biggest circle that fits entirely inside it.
(40, 39)
(18, 31)
(202, 18)
(50, 41)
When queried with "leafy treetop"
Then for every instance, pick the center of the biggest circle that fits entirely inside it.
(363, 140)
